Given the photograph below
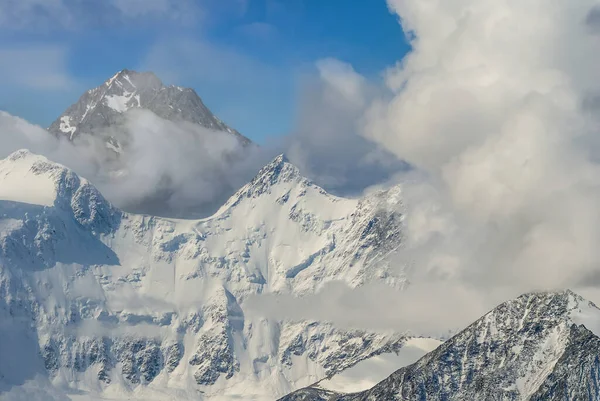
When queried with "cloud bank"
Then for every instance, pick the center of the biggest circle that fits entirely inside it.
(326, 142)
(169, 169)
(496, 110)
(491, 106)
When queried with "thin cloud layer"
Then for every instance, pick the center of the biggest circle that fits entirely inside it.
(35, 67)
(413, 311)
(52, 15)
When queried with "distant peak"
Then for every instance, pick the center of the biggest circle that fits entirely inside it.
(135, 79)
(277, 167)
(278, 170)
(282, 158)
(20, 154)
(97, 110)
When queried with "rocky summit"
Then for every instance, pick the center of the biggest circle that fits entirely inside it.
(540, 346)
(101, 111)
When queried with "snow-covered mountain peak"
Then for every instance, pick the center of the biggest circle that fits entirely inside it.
(278, 170)
(548, 306)
(103, 108)
(118, 302)
(524, 349)
(280, 183)
(133, 80)
(28, 178)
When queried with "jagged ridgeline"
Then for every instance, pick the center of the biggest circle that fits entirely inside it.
(102, 301)
(537, 347)
(101, 111)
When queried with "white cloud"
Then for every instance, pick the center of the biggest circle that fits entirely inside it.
(326, 143)
(170, 168)
(195, 169)
(429, 309)
(489, 105)
(496, 109)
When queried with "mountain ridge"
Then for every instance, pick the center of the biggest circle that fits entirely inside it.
(98, 111)
(520, 350)
(122, 304)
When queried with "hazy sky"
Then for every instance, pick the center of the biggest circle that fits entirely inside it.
(248, 59)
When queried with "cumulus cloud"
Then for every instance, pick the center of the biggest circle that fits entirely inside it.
(495, 108)
(182, 167)
(326, 143)
(502, 134)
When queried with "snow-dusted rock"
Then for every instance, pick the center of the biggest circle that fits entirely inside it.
(541, 346)
(100, 111)
(119, 303)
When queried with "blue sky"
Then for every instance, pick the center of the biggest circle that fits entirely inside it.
(248, 59)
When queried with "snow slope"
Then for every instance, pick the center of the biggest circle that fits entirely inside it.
(537, 347)
(123, 305)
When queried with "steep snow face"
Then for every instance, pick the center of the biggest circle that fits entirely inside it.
(525, 349)
(325, 237)
(126, 305)
(103, 107)
(23, 180)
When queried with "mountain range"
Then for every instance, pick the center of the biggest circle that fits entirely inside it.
(119, 303)
(99, 303)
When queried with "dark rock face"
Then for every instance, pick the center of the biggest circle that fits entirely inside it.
(576, 375)
(101, 111)
(526, 349)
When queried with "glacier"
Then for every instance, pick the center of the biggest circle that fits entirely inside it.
(96, 302)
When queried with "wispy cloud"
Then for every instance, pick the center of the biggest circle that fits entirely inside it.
(52, 15)
(378, 307)
(201, 60)
(35, 67)
(258, 31)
